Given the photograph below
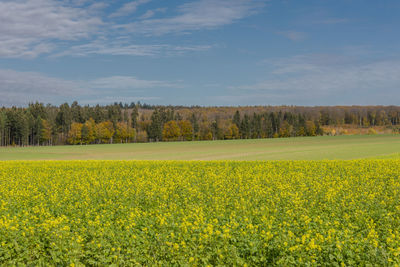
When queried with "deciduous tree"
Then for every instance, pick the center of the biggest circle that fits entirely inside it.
(171, 131)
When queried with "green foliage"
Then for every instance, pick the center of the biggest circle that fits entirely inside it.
(89, 131)
(155, 129)
(24, 126)
(134, 117)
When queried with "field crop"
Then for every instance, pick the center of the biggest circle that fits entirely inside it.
(200, 213)
(293, 148)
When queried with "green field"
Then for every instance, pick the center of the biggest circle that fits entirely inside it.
(299, 148)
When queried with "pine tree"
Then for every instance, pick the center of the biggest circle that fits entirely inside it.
(156, 126)
(134, 117)
(236, 118)
(195, 125)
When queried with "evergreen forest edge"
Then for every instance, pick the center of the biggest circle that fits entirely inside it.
(39, 124)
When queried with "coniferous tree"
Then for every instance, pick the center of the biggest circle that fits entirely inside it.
(3, 121)
(236, 118)
(42, 125)
(134, 116)
(195, 125)
(85, 134)
(114, 113)
(88, 131)
(245, 127)
(76, 113)
(64, 119)
(155, 128)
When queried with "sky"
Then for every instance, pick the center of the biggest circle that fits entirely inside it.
(200, 52)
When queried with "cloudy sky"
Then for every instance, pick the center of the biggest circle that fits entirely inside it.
(200, 52)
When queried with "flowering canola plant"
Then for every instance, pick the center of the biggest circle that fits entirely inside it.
(76, 213)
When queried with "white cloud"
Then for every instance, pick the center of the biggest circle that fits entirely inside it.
(113, 99)
(125, 49)
(128, 83)
(128, 8)
(20, 88)
(198, 15)
(152, 12)
(327, 80)
(28, 27)
(79, 2)
(97, 6)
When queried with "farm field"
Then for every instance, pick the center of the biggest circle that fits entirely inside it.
(305, 148)
(197, 213)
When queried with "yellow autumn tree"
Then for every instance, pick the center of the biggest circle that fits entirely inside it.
(171, 131)
(311, 128)
(124, 132)
(235, 131)
(46, 132)
(104, 132)
(75, 133)
(186, 130)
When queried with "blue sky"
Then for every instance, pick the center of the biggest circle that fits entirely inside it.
(200, 52)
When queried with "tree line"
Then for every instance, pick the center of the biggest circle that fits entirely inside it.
(39, 124)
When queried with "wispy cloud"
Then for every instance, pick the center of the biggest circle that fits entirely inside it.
(20, 88)
(312, 79)
(293, 35)
(150, 13)
(332, 21)
(112, 99)
(198, 15)
(128, 83)
(123, 48)
(29, 28)
(128, 8)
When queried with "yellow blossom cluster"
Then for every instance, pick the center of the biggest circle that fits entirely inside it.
(311, 213)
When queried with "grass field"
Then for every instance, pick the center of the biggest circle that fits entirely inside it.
(300, 148)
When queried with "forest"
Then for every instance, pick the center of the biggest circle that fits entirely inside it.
(73, 124)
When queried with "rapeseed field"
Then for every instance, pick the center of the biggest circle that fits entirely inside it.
(75, 213)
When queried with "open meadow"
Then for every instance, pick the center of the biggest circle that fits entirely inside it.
(299, 148)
